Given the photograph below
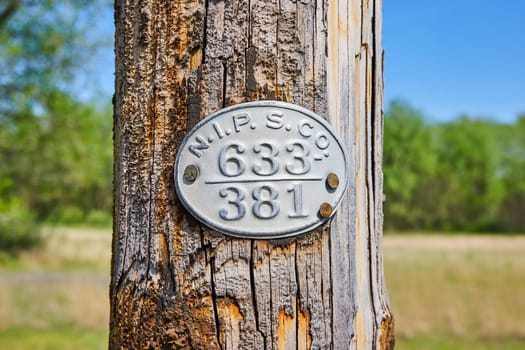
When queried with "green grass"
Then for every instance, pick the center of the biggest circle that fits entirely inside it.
(53, 339)
(56, 297)
(447, 291)
(65, 248)
(429, 343)
(457, 292)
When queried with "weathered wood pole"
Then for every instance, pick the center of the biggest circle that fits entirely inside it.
(175, 284)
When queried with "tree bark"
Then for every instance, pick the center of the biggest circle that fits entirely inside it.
(174, 283)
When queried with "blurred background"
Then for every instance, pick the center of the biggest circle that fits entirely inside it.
(454, 164)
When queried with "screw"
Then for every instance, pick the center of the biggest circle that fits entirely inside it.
(191, 173)
(325, 210)
(332, 181)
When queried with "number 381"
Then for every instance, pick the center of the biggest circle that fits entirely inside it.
(264, 196)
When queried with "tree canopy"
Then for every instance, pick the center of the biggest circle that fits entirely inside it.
(42, 43)
(55, 150)
(466, 174)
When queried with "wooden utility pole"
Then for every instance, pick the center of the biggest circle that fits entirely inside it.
(175, 284)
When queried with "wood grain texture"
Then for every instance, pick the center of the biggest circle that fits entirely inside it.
(177, 285)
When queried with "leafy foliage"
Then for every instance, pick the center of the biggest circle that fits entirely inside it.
(467, 174)
(513, 176)
(42, 43)
(55, 151)
(60, 162)
(17, 227)
(409, 161)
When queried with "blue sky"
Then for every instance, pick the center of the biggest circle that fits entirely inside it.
(450, 57)
(444, 57)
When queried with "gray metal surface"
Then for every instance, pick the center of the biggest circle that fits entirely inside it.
(261, 170)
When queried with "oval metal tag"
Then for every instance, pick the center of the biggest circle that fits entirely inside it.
(261, 170)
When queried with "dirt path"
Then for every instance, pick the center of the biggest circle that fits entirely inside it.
(454, 242)
(54, 278)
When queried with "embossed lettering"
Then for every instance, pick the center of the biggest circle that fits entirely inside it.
(297, 190)
(240, 120)
(268, 158)
(270, 202)
(200, 145)
(275, 120)
(236, 202)
(322, 141)
(304, 132)
(300, 152)
(225, 158)
(218, 130)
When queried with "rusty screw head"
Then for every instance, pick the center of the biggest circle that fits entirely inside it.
(325, 210)
(191, 173)
(332, 181)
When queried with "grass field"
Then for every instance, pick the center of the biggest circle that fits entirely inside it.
(56, 298)
(457, 292)
(447, 292)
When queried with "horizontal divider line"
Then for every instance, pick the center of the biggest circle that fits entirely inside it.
(282, 179)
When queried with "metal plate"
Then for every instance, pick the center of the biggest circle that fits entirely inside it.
(261, 170)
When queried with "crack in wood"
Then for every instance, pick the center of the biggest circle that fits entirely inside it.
(214, 302)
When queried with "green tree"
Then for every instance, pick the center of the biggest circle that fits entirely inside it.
(467, 179)
(409, 163)
(42, 44)
(513, 177)
(17, 228)
(54, 150)
(458, 175)
(59, 163)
